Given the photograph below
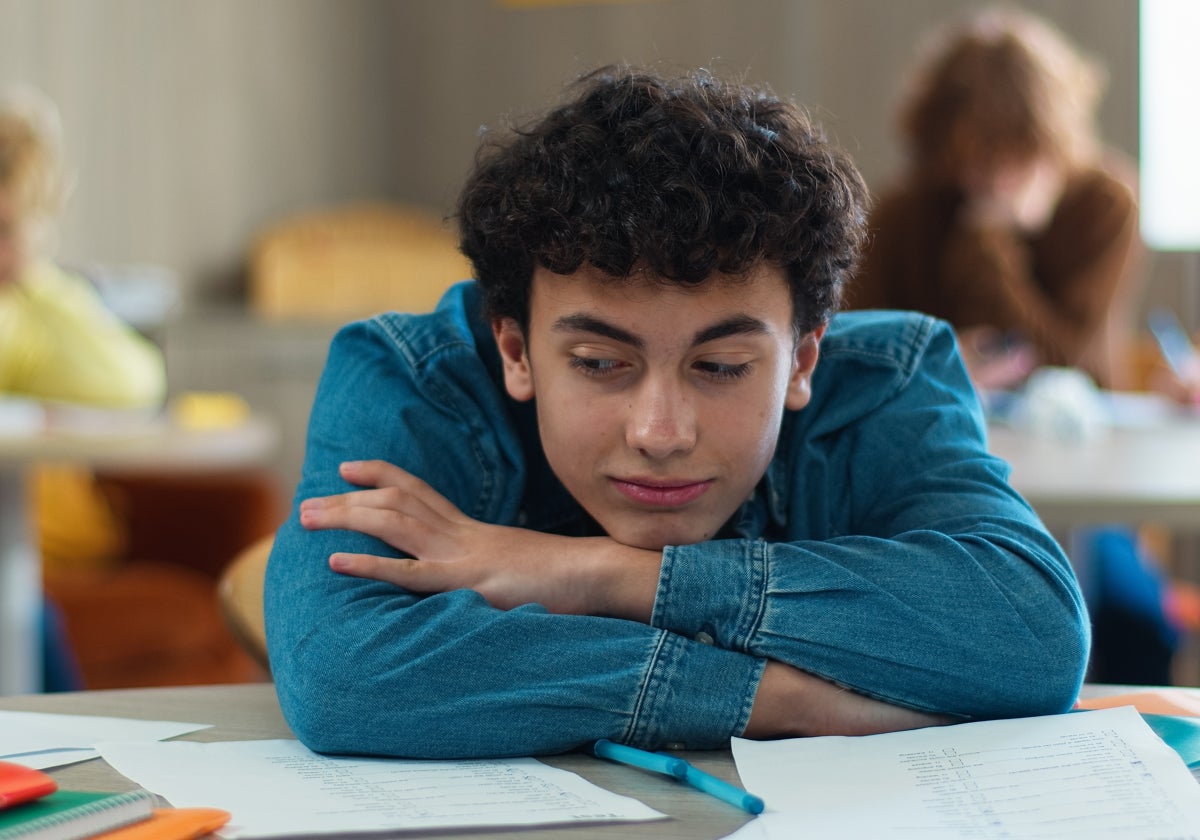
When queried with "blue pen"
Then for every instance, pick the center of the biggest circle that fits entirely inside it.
(668, 765)
(722, 790)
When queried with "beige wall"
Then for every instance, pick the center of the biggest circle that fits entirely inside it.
(476, 59)
(191, 123)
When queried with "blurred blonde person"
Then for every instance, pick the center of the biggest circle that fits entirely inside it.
(59, 343)
(57, 340)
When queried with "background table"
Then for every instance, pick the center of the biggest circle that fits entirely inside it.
(1134, 474)
(246, 712)
(155, 444)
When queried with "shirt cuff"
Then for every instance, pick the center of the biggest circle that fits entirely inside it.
(713, 592)
(696, 696)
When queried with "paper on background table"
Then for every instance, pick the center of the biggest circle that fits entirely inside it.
(41, 740)
(1159, 701)
(278, 787)
(1101, 774)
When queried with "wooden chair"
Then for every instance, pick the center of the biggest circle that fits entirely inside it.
(240, 592)
(352, 261)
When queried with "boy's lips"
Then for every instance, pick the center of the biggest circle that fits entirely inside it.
(662, 493)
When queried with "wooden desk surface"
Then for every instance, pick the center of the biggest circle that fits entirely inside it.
(245, 712)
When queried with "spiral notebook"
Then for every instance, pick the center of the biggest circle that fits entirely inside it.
(71, 814)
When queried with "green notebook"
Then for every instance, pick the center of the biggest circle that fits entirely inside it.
(70, 814)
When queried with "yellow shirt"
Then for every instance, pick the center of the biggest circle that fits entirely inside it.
(59, 342)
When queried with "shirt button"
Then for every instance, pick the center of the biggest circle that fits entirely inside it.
(675, 745)
(704, 638)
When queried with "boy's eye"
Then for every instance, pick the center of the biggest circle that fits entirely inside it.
(720, 370)
(595, 367)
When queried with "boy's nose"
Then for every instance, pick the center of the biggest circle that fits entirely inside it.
(662, 420)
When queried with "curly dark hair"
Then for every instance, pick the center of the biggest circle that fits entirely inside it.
(678, 176)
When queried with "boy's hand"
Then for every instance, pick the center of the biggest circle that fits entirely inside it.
(449, 550)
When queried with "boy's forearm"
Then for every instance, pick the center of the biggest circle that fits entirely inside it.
(793, 703)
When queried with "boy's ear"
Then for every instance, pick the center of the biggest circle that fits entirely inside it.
(799, 388)
(518, 379)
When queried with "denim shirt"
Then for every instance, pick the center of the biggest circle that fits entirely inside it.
(883, 550)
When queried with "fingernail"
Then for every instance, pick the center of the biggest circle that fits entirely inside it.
(351, 465)
(339, 562)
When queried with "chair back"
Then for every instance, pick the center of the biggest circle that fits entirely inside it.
(353, 261)
(240, 592)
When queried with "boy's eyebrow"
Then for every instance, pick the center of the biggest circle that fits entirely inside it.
(734, 325)
(580, 322)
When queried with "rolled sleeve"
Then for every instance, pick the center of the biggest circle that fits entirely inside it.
(696, 695)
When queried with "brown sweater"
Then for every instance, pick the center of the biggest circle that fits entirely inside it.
(1068, 288)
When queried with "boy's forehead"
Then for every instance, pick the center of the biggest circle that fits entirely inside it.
(643, 306)
(645, 288)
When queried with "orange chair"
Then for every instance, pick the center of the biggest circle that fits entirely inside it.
(152, 616)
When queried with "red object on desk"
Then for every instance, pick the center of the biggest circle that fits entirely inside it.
(19, 783)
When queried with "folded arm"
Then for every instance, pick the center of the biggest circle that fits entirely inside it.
(513, 567)
(934, 585)
(362, 666)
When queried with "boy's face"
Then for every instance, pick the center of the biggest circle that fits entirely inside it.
(659, 407)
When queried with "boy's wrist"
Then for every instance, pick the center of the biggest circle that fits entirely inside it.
(625, 580)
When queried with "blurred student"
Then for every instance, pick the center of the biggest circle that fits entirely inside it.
(1015, 223)
(59, 343)
(1012, 220)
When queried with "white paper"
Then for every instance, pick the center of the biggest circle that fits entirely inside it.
(278, 787)
(1096, 774)
(41, 740)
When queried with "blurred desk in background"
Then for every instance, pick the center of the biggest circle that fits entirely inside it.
(1149, 474)
(153, 443)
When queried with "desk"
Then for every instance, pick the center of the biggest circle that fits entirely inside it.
(152, 445)
(1145, 473)
(246, 712)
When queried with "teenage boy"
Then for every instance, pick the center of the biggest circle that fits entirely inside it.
(606, 490)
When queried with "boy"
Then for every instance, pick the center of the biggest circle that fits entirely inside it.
(606, 490)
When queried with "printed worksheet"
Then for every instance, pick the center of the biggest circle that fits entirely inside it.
(278, 787)
(1096, 774)
(41, 740)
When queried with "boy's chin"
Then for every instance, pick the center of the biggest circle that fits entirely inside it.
(657, 537)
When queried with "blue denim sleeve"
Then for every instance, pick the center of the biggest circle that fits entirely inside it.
(365, 667)
(910, 570)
